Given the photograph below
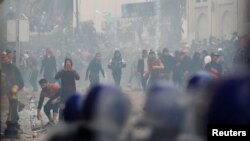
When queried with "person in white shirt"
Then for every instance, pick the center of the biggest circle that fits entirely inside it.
(142, 68)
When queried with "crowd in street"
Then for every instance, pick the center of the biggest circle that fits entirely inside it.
(186, 87)
(151, 67)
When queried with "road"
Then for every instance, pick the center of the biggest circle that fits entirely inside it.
(136, 98)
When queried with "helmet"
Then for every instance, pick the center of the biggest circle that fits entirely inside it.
(200, 80)
(73, 108)
(105, 106)
(230, 103)
(165, 103)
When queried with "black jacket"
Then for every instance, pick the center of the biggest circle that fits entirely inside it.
(214, 66)
(140, 66)
(94, 68)
(168, 62)
(12, 75)
(48, 65)
(116, 64)
(68, 80)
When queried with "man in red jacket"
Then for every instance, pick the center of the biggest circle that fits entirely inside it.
(51, 91)
(155, 67)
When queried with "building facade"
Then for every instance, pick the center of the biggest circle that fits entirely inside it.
(95, 10)
(204, 18)
(218, 18)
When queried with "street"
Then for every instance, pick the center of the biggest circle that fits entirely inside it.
(136, 98)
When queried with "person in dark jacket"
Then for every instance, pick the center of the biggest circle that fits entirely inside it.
(168, 62)
(185, 66)
(142, 68)
(13, 83)
(196, 63)
(116, 64)
(12, 73)
(48, 67)
(68, 84)
(93, 70)
(177, 70)
(214, 67)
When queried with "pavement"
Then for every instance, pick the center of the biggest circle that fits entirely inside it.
(136, 98)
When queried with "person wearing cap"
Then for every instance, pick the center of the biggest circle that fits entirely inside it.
(92, 73)
(13, 83)
(51, 91)
(214, 67)
(142, 69)
(155, 67)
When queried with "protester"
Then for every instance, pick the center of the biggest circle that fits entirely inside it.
(48, 67)
(116, 64)
(185, 66)
(196, 63)
(142, 68)
(68, 85)
(155, 67)
(51, 91)
(214, 67)
(168, 62)
(93, 70)
(13, 84)
(215, 91)
(177, 71)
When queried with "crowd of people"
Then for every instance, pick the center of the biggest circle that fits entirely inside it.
(178, 110)
(151, 67)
